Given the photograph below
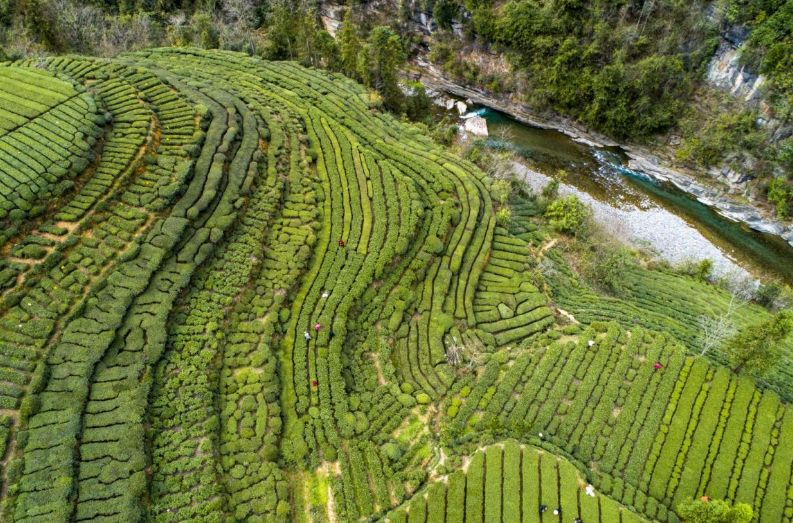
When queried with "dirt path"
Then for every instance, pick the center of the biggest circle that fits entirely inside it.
(379, 369)
(567, 315)
(548, 246)
(330, 469)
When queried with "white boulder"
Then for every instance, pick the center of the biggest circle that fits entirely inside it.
(476, 125)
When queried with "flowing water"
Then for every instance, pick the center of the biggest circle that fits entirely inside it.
(602, 174)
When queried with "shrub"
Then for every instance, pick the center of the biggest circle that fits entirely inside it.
(569, 215)
(714, 511)
(503, 216)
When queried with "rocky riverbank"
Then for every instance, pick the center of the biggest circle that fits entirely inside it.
(708, 192)
(653, 228)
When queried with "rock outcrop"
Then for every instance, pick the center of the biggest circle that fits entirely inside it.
(720, 201)
(726, 72)
(476, 125)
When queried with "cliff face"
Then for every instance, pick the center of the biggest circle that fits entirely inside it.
(726, 72)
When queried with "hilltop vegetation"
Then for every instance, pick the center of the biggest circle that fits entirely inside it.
(636, 71)
(238, 290)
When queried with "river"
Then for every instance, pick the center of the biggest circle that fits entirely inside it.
(636, 207)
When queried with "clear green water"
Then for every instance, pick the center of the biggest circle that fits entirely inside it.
(602, 173)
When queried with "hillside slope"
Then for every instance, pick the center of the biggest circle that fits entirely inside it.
(263, 299)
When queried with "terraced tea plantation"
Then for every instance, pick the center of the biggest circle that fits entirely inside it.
(236, 290)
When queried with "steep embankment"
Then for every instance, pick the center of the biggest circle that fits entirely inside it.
(267, 300)
(641, 158)
(724, 183)
(197, 331)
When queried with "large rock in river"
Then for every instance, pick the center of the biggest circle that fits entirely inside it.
(476, 125)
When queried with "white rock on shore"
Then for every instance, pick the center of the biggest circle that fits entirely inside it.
(476, 125)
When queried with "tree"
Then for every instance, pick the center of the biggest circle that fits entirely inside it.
(444, 12)
(349, 45)
(418, 104)
(780, 195)
(568, 215)
(551, 189)
(503, 216)
(715, 329)
(704, 269)
(281, 31)
(704, 510)
(42, 21)
(606, 265)
(767, 294)
(236, 20)
(314, 45)
(501, 189)
(381, 62)
(757, 348)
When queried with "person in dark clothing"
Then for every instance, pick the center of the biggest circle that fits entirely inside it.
(543, 508)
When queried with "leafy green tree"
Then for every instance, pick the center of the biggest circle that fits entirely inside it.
(381, 62)
(704, 269)
(569, 215)
(42, 22)
(501, 189)
(758, 347)
(315, 46)
(206, 33)
(705, 510)
(785, 154)
(503, 216)
(551, 189)
(780, 194)
(294, 33)
(605, 266)
(349, 45)
(418, 104)
(281, 31)
(617, 66)
(7, 12)
(444, 12)
(768, 293)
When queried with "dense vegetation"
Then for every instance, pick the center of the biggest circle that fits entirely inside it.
(636, 71)
(619, 66)
(633, 70)
(237, 290)
(628, 68)
(770, 45)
